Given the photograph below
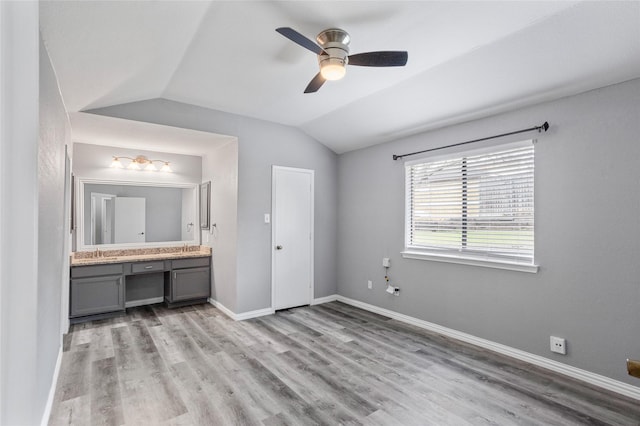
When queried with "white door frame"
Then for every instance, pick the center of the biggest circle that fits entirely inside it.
(273, 233)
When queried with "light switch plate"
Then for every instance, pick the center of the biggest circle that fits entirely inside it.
(267, 218)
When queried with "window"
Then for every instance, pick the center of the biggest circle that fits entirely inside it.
(475, 206)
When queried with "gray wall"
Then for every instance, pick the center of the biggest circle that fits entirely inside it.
(35, 130)
(94, 161)
(163, 216)
(220, 166)
(55, 133)
(20, 397)
(587, 236)
(260, 145)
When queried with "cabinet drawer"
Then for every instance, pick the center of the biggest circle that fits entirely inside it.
(137, 268)
(195, 262)
(96, 270)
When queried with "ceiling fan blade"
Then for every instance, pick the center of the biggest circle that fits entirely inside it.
(298, 38)
(379, 59)
(315, 84)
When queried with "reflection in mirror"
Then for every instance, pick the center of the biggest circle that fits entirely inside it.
(116, 213)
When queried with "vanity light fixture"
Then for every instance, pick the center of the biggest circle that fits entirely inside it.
(140, 162)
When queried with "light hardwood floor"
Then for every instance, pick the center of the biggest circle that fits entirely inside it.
(327, 364)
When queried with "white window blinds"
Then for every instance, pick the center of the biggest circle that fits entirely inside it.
(477, 205)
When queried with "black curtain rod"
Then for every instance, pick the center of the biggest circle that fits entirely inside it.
(544, 127)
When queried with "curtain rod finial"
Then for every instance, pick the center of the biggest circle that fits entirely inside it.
(395, 157)
(545, 126)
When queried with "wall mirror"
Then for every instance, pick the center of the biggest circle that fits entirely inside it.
(120, 214)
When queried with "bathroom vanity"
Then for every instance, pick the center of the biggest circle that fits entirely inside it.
(104, 284)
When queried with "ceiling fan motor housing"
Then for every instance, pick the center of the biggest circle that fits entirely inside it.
(335, 42)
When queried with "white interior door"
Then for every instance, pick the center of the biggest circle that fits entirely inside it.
(129, 220)
(292, 237)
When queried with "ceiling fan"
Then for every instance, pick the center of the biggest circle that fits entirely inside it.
(333, 55)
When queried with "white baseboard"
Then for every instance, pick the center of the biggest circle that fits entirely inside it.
(325, 299)
(52, 391)
(142, 302)
(567, 370)
(243, 315)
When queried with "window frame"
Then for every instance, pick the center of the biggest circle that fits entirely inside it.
(469, 257)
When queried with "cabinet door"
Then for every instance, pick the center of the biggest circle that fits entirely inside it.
(96, 295)
(192, 283)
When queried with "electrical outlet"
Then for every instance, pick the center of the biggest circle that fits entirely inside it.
(386, 262)
(558, 345)
(369, 284)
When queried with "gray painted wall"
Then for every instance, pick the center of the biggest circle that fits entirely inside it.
(33, 227)
(20, 395)
(221, 168)
(587, 236)
(55, 133)
(163, 216)
(261, 144)
(94, 161)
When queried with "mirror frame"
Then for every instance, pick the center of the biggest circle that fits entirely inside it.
(78, 208)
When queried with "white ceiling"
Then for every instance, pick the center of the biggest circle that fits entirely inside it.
(466, 59)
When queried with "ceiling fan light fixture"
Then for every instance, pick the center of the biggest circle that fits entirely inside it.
(332, 69)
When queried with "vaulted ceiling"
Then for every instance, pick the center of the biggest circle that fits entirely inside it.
(466, 59)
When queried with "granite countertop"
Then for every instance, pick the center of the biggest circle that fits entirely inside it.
(137, 255)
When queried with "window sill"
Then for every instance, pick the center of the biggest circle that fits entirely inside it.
(473, 261)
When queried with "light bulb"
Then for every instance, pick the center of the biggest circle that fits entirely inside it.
(166, 168)
(133, 166)
(333, 71)
(116, 164)
(150, 167)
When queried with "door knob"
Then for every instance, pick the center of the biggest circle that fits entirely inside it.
(278, 247)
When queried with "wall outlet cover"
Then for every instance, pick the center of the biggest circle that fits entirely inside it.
(558, 345)
(369, 284)
(386, 262)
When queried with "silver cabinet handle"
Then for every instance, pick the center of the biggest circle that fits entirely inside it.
(148, 267)
(278, 247)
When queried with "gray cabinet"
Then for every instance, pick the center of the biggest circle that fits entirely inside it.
(96, 295)
(98, 291)
(190, 282)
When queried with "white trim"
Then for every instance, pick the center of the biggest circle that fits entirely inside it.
(52, 390)
(141, 302)
(558, 367)
(254, 314)
(79, 212)
(223, 308)
(244, 315)
(274, 168)
(468, 260)
(325, 299)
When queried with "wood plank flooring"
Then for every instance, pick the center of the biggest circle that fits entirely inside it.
(322, 365)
